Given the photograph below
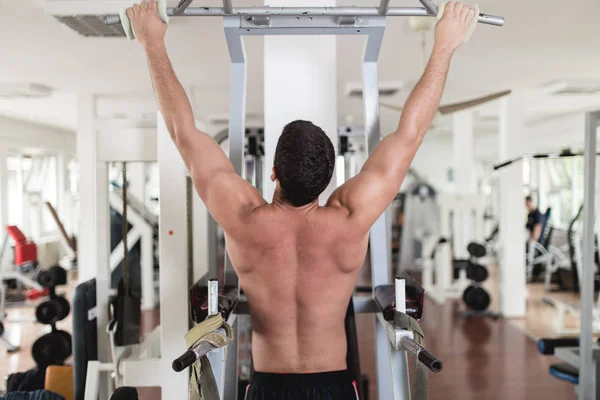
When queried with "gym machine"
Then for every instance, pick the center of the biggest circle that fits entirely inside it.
(398, 321)
(567, 350)
(23, 272)
(581, 356)
(442, 259)
(87, 18)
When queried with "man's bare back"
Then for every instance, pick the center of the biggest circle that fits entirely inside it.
(298, 268)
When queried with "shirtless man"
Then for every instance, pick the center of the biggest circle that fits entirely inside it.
(297, 261)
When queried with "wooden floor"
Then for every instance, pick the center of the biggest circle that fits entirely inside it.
(483, 359)
(540, 318)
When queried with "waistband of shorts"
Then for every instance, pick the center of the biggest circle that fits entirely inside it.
(301, 381)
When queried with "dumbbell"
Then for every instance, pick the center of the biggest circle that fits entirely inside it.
(52, 277)
(51, 311)
(476, 250)
(52, 348)
(476, 272)
(476, 298)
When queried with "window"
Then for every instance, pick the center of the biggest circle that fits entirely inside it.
(32, 180)
(49, 193)
(562, 189)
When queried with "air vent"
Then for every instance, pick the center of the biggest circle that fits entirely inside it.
(91, 26)
(27, 90)
(219, 120)
(386, 89)
(224, 119)
(486, 117)
(382, 92)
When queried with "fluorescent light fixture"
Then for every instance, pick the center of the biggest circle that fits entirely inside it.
(573, 87)
(24, 90)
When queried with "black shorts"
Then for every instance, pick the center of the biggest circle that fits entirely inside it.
(335, 385)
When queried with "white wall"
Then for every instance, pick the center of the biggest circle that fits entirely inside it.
(17, 134)
(434, 159)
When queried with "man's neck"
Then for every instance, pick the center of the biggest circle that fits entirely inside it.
(279, 201)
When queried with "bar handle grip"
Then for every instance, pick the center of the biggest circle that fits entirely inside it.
(422, 354)
(430, 361)
(112, 20)
(184, 361)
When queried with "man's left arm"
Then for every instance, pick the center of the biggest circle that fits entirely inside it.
(227, 196)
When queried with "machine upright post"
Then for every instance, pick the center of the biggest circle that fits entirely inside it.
(380, 272)
(430, 6)
(400, 373)
(378, 240)
(237, 112)
(384, 6)
(227, 6)
(173, 250)
(587, 368)
(237, 132)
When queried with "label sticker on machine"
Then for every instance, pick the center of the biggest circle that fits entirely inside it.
(92, 313)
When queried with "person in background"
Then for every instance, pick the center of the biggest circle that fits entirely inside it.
(534, 219)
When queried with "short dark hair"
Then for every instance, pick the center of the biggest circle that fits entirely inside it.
(528, 198)
(304, 162)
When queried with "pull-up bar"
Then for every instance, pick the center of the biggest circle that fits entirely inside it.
(311, 11)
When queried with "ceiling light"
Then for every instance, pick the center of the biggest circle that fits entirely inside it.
(28, 90)
(572, 87)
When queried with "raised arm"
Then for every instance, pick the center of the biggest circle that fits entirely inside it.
(228, 197)
(368, 194)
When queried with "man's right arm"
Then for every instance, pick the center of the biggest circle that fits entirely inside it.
(370, 192)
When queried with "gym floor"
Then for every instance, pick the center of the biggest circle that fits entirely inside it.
(483, 358)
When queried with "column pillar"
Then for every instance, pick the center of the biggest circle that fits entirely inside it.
(86, 157)
(512, 221)
(464, 180)
(300, 83)
(173, 254)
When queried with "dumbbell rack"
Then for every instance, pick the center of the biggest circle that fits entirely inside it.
(471, 267)
(55, 347)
